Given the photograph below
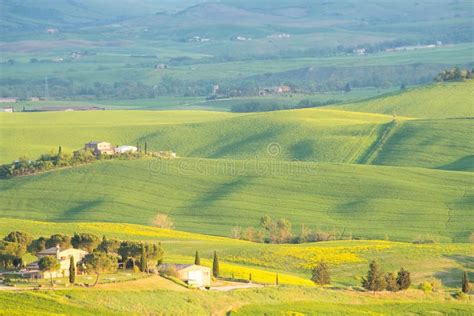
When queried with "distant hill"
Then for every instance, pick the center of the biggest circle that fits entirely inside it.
(446, 100)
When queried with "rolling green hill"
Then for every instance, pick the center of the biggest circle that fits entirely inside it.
(443, 144)
(212, 196)
(328, 134)
(445, 100)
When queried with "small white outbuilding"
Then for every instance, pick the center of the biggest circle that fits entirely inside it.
(125, 149)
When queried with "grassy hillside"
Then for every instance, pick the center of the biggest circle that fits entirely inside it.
(442, 144)
(445, 100)
(273, 300)
(212, 196)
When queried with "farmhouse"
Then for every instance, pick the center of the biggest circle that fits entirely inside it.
(192, 274)
(9, 109)
(8, 100)
(125, 149)
(63, 257)
(100, 147)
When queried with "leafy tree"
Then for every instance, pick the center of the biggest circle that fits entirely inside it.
(109, 245)
(154, 255)
(72, 270)
(9, 252)
(100, 262)
(129, 250)
(391, 281)
(321, 274)
(49, 264)
(466, 286)
(37, 245)
(267, 222)
(281, 232)
(162, 221)
(85, 241)
(215, 266)
(20, 238)
(197, 259)
(375, 280)
(403, 279)
(63, 241)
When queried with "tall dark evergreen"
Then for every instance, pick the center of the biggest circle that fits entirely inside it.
(146, 148)
(215, 266)
(72, 270)
(375, 280)
(276, 280)
(197, 259)
(403, 279)
(321, 274)
(466, 287)
(143, 264)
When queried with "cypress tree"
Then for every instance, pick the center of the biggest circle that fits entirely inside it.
(197, 259)
(250, 276)
(466, 287)
(215, 266)
(143, 260)
(276, 279)
(375, 280)
(391, 281)
(146, 148)
(72, 270)
(321, 274)
(403, 279)
(59, 151)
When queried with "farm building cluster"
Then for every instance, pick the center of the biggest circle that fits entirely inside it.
(191, 274)
(102, 148)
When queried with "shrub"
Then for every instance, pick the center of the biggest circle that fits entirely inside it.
(321, 274)
(426, 287)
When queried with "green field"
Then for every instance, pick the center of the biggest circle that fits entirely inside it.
(212, 196)
(266, 301)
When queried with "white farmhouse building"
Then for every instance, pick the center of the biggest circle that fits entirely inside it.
(125, 149)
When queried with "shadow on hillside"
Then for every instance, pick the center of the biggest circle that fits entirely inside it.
(465, 163)
(234, 148)
(453, 276)
(200, 206)
(78, 211)
(302, 150)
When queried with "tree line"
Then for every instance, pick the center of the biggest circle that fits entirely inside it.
(454, 74)
(279, 231)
